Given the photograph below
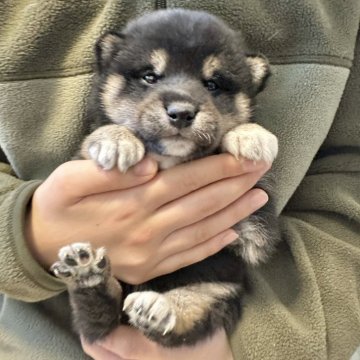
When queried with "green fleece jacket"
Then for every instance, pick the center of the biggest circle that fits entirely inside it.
(305, 303)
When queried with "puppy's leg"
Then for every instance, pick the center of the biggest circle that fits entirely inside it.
(251, 141)
(259, 233)
(185, 315)
(95, 295)
(113, 145)
(258, 236)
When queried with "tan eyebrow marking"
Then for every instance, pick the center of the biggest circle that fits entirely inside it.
(211, 64)
(158, 60)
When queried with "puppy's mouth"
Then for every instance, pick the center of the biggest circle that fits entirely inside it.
(174, 137)
(162, 137)
(174, 145)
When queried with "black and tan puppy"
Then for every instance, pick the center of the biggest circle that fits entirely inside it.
(177, 85)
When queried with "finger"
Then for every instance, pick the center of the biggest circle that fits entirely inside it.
(130, 343)
(98, 352)
(195, 254)
(205, 202)
(209, 227)
(81, 178)
(186, 178)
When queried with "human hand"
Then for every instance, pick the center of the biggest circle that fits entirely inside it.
(150, 225)
(126, 343)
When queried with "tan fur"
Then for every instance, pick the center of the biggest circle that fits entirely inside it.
(152, 114)
(120, 110)
(211, 64)
(243, 103)
(165, 162)
(204, 130)
(107, 45)
(192, 303)
(178, 310)
(251, 242)
(158, 60)
(258, 67)
(112, 89)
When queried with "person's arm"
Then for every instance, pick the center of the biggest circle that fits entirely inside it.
(127, 343)
(20, 276)
(150, 225)
(171, 220)
(80, 202)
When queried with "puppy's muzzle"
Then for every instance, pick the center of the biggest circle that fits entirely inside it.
(181, 114)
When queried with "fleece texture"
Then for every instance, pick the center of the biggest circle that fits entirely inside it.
(305, 303)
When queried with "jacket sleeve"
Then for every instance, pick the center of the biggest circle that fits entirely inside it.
(21, 277)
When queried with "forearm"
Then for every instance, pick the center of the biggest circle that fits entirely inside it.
(21, 277)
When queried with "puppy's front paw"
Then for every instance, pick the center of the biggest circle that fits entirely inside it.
(252, 142)
(150, 312)
(124, 153)
(81, 265)
(113, 145)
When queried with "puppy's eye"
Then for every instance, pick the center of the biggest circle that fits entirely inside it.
(211, 85)
(151, 78)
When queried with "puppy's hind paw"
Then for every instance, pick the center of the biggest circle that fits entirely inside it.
(81, 265)
(150, 312)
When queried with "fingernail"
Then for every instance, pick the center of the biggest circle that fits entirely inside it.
(259, 198)
(250, 165)
(145, 167)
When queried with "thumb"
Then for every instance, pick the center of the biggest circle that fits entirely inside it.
(80, 178)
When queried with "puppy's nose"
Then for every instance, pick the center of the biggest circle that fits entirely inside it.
(181, 114)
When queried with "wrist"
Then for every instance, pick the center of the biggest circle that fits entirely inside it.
(38, 248)
(25, 279)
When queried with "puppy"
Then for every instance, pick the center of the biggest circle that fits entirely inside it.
(177, 85)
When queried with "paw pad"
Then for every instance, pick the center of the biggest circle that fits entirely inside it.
(81, 264)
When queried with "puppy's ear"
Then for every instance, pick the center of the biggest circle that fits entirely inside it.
(260, 70)
(106, 47)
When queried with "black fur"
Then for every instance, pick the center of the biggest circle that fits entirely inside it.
(95, 322)
(188, 38)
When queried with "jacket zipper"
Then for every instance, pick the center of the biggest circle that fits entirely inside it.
(160, 4)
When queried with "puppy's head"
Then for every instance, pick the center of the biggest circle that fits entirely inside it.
(179, 79)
